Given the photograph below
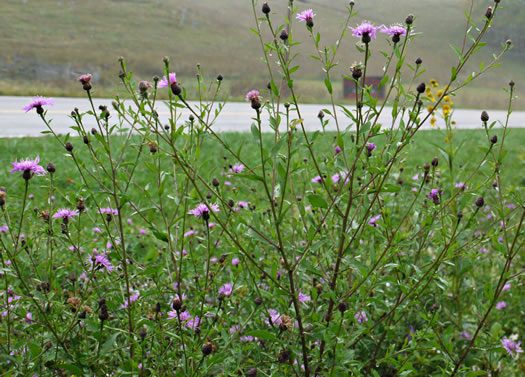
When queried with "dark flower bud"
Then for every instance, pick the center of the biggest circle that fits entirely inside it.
(310, 23)
(266, 8)
(191, 118)
(508, 43)
(284, 35)
(435, 162)
(484, 116)
(497, 1)
(93, 131)
(219, 77)
(143, 87)
(176, 89)
(207, 349)
(215, 182)
(81, 205)
(152, 148)
(82, 315)
(85, 139)
(356, 72)
(157, 307)
(166, 60)
(480, 202)
(351, 3)
(258, 301)
(396, 38)
(511, 84)
(27, 174)
(342, 307)
(69, 147)
(488, 13)
(321, 115)
(459, 215)
(365, 38)
(39, 110)
(231, 203)
(121, 75)
(252, 372)
(176, 305)
(421, 88)
(284, 356)
(410, 19)
(419, 61)
(426, 166)
(206, 216)
(143, 333)
(494, 139)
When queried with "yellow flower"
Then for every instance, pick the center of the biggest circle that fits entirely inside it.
(428, 90)
(447, 99)
(430, 108)
(446, 110)
(434, 83)
(446, 139)
(433, 121)
(439, 93)
(431, 97)
(453, 122)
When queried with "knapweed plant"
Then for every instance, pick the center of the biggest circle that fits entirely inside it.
(174, 250)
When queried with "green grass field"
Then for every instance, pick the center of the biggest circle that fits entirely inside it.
(47, 43)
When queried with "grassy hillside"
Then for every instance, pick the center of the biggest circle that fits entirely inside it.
(45, 44)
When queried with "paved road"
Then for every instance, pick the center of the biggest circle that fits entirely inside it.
(14, 122)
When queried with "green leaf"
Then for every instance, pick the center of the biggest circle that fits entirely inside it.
(328, 85)
(261, 334)
(317, 201)
(161, 236)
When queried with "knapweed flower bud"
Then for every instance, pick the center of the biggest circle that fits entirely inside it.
(410, 19)
(357, 72)
(484, 116)
(342, 307)
(488, 13)
(27, 174)
(207, 349)
(166, 60)
(2, 197)
(85, 139)
(231, 203)
(266, 8)
(284, 35)
(152, 148)
(215, 182)
(511, 84)
(209, 195)
(258, 301)
(51, 168)
(253, 96)
(459, 215)
(219, 77)
(421, 88)
(69, 147)
(252, 372)
(494, 139)
(85, 80)
(321, 115)
(176, 89)
(480, 202)
(419, 61)
(191, 118)
(435, 162)
(176, 305)
(81, 206)
(351, 3)
(143, 333)
(508, 42)
(93, 131)
(426, 167)
(144, 86)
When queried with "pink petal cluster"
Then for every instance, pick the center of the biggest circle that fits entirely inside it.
(203, 208)
(394, 30)
(253, 95)
(306, 15)
(31, 165)
(172, 79)
(366, 28)
(65, 213)
(38, 102)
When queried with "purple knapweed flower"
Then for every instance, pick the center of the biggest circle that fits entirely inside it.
(253, 95)
(30, 166)
(373, 221)
(235, 261)
(203, 210)
(506, 287)
(366, 31)
(4, 229)
(395, 31)
(132, 298)
(243, 204)
(237, 168)
(85, 79)
(110, 211)
(511, 346)
(307, 16)
(101, 260)
(461, 186)
(37, 103)
(465, 334)
(189, 233)
(370, 147)
(434, 195)
(304, 298)
(361, 317)
(226, 290)
(501, 305)
(316, 179)
(335, 177)
(337, 149)
(65, 213)
(172, 79)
